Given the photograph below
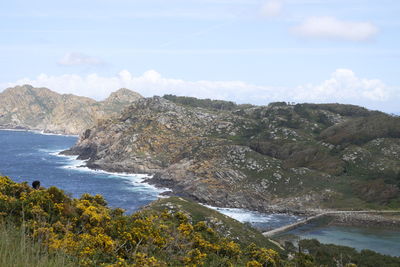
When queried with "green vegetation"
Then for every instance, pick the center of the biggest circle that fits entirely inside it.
(17, 249)
(362, 130)
(343, 110)
(241, 233)
(46, 227)
(95, 235)
(333, 255)
(359, 149)
(204, 103)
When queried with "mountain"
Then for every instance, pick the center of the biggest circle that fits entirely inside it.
(41, 109)
(275, 157)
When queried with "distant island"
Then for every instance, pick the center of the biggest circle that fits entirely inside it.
(26, 107)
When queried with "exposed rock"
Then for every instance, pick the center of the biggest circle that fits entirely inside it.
(367, 220)
(26, 107)
(261, 158)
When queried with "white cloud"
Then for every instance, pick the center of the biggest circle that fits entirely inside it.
(74, 59)
(272, 8)
(343, 86)
(333, 28)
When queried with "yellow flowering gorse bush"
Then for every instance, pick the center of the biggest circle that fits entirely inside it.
(96, 235)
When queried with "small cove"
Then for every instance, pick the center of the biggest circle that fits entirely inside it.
(381, 240)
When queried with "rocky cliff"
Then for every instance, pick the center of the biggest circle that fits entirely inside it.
(275, 157)
(41, 109)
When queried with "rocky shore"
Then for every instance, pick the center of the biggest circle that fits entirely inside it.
(276, 158)
(347, 218)
(384, 220)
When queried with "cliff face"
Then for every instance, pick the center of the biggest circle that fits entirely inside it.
(262, 158)
(42, 109)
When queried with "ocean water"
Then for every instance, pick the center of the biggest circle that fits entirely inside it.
(29, 156)
(381, 240)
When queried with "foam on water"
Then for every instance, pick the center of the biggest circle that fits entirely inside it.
(259, 220)
(243, 215)
(46, 133)
(38, 132)
(136, 180)
(14, 130)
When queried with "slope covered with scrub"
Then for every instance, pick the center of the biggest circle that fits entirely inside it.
(274, 157)
(46, 227)
(160, 235)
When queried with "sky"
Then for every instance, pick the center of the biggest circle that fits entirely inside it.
(247, 51)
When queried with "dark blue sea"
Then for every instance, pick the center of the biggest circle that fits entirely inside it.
(29, 156)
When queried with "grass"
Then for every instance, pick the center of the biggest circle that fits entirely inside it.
(18, 250)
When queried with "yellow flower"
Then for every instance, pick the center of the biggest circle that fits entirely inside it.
(253, 263)
(185, 228)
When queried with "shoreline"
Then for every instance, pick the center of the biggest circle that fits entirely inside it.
(37, 131)
(387, 220)
(352, 218)
(345, 218)
(81, 165)
(359, 219)
(172, 191)
(251, 215)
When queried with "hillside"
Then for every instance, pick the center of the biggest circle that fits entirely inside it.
(41, 109)
(46, 227)
(275, 157)
(163, 234)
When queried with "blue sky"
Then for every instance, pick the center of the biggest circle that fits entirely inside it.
(254, 51)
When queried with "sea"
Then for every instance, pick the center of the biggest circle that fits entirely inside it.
(26, 156)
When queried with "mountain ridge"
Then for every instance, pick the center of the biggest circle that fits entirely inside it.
(27, 107)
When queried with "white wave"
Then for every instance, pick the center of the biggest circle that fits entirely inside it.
(137, 180)
(13, 130)
(47, 133)
(53, 152)
(38, 132)
(244, 215)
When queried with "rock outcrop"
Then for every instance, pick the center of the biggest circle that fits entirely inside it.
(275, 157)
(26, 107)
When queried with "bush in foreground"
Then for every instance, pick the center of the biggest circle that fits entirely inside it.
(96, 235)
(46, 227)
